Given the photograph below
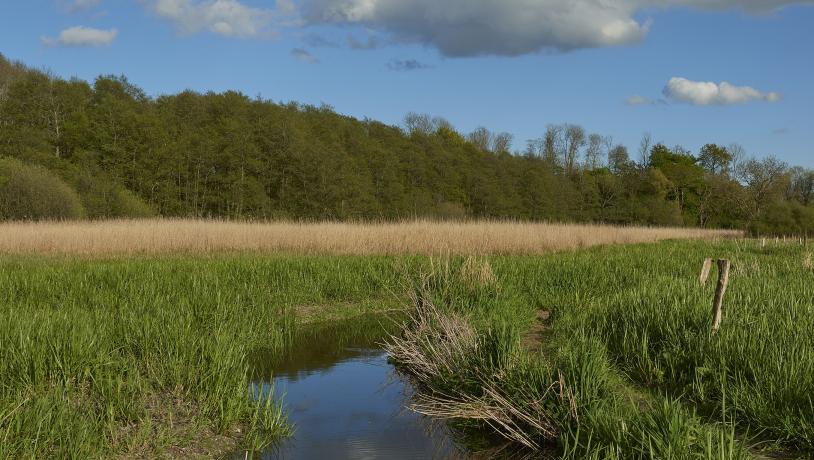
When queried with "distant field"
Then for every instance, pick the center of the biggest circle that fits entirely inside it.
(411, 237)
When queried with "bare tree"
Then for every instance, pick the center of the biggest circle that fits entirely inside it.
(801, 185)
(534, 148)
(737, 156)
(419, 123)
(593, 151)
(644, 149)
(502, 142)
(607, 146)
(551, 144)
(574, 139)
(481, 138)
(765, 180)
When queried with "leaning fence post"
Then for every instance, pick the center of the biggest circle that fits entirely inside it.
(705, 271)
(717, 305)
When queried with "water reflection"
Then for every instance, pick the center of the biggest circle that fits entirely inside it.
(346, 401)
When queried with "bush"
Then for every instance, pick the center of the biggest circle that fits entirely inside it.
(784, 218)
(34, 193)
(106, 199)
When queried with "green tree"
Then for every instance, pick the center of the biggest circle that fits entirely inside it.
(715, 159)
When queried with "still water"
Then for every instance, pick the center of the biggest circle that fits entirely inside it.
(347, 402)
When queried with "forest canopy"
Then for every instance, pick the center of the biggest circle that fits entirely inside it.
(106, 149)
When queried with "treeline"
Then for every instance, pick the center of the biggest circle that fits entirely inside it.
(72, 149)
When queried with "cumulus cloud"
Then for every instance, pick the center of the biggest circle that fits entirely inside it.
(229, 18)
(82, 36)
(460, 28)
(710, 93)
(304, 56)
(406, 65)
(477, 27)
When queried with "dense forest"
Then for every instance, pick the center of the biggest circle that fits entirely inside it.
(71, 149)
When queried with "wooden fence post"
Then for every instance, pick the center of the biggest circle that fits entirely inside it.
(705, 271)
(717, 305)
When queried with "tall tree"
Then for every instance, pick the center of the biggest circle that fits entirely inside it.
(573, 140)
(714, 158)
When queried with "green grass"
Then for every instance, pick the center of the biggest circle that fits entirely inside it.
(651, 319)
(145, 356)
(629, 344)
(141, 356)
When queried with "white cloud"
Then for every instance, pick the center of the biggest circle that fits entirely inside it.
(229, 18)
(477, 27)
(710, 93)
(304, 56)
(82, 36)
(510, 27)
(77, 5)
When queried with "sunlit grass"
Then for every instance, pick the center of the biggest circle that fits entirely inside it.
(143, 356)
(627, 367)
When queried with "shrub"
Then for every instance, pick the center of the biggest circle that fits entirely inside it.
(106, 199)
(34, 193)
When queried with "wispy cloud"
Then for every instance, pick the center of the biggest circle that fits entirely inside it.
(406, 65)
(304, 56)
(78, 5)
(80, 36)
(318, 41)
(709, 93)
(642, 100)
(639, 100)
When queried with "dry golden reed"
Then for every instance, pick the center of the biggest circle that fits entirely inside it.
(159, 236)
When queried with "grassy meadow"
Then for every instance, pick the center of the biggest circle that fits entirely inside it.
(604, 352)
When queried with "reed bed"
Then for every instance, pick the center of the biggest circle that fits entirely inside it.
(159, 236)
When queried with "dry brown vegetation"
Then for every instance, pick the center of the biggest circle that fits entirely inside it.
(157, 236)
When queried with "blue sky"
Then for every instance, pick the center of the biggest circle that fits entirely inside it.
(509, 65)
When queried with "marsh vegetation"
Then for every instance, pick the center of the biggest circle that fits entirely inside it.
(157, 355)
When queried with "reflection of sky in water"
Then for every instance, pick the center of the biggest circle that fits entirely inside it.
(354, 410)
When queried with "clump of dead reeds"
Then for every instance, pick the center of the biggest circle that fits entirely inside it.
(463, 375)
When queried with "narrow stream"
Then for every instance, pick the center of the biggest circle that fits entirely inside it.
(347, 402)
